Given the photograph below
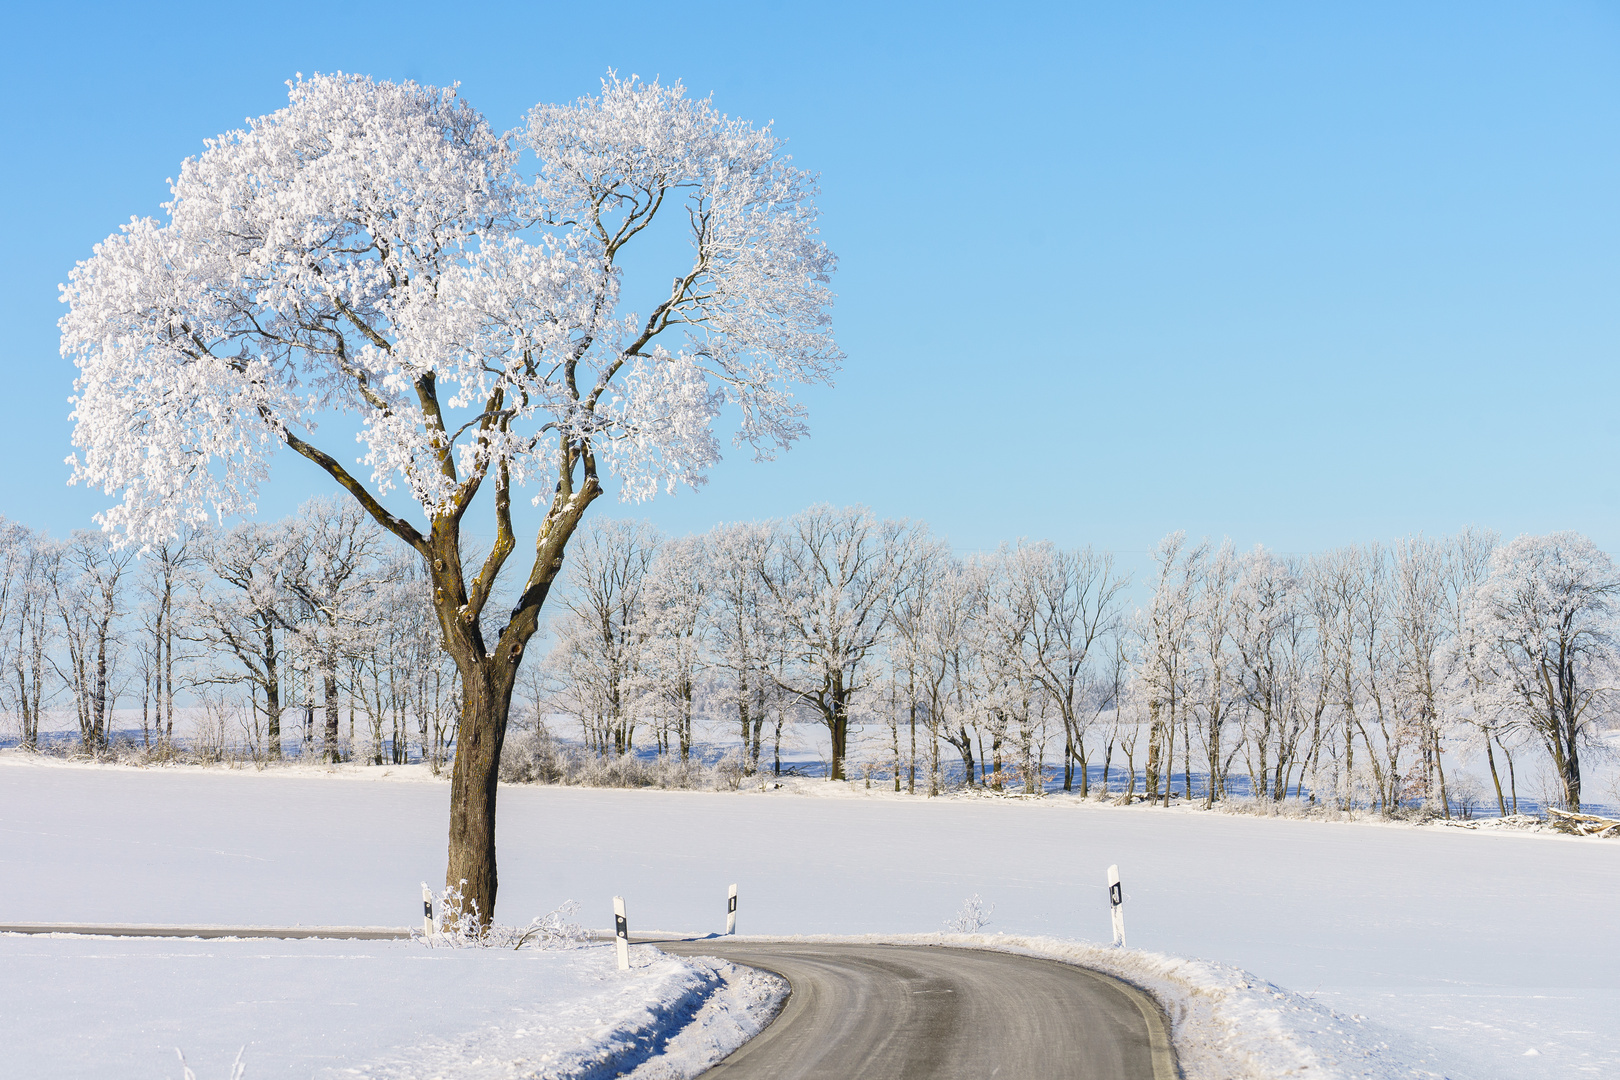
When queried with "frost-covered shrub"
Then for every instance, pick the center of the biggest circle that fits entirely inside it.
(536, 757)
(1464, 793)
(532, 756)
(459, 926)
(731, 770)
(238, 1069)
(974, 916)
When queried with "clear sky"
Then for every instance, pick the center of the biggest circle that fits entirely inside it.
(1299, 274)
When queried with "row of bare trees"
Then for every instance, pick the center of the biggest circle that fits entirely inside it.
(285, 628)
(1350, 678)
(1359, 677)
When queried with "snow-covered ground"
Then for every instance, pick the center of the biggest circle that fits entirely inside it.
(121, 1007)
(1464, 950)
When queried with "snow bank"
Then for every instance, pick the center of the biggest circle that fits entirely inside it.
(673, 1022)
(736, 1010)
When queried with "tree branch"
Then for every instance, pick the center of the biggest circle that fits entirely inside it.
(392, 522)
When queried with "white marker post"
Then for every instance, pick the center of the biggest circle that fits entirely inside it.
(1116, 906)
(731, 911)
(427, 910)
(621, 933)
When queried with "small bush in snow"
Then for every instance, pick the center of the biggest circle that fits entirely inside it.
(459, 926)
(731, 770)
(536, 757)
(974, 916)
(237, 1068)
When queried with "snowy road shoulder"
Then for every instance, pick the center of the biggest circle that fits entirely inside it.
(1228, 1024)
(373, 1009)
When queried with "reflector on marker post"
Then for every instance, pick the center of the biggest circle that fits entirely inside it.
(427, 910)
(731, 911)
(621, 933)
(1116, 905)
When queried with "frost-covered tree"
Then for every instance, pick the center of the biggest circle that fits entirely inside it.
(1000, 636)
(30, 627)
(24, 624)
(1471, 717)
(1167, 671)
(381, 661)
(741, 634)
(240, 606)
(827, 586)
(1274, 651)
(597, 660)
(376, 249)
(1547, 614)
(13, 562)
(1076, 595)
(89, 584)
(331, 570)
(954, 648)
(678, 617)
(1420, 604)
(162, 571)
(921, 610)
(1217, 697)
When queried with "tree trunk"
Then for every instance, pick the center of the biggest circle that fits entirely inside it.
(488, 676)
(838, 727)
(1440, 771)
(776, 748)
(759, 735)
(911, 777)
(964, 748)
(686, 720)
(1570, 774)
(1512, 776)
(102, 674)
(1150, 770)
(1186, 758)
(1068, 756)
(272, 693)
(1490, 757)
(329, 740)
(487, 697)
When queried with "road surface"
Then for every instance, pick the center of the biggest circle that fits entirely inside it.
(911, 1012)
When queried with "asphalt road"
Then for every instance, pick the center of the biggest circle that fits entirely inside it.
(911, 1012)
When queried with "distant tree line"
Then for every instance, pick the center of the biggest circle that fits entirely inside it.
(274, 633)
(1351, 678)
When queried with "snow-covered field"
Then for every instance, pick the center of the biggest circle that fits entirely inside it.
(1464, 950)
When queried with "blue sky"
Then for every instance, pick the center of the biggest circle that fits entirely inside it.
(1293, 274)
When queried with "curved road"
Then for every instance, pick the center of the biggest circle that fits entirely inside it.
(919, 1011)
